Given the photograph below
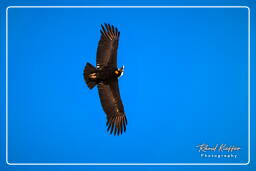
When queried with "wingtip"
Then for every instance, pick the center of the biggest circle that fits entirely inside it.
(116, 125)
(109, 31)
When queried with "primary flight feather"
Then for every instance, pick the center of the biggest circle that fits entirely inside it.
(105, 76)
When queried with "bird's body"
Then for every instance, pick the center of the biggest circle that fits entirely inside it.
(105, 76)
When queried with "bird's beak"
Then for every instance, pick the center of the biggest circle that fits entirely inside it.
(121, 70)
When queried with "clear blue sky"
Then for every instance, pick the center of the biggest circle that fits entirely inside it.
(185, 83)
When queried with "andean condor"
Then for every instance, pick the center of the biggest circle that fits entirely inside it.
(105, 76)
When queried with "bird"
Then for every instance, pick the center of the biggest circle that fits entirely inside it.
(105, 75)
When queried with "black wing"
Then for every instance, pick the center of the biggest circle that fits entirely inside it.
(107, 47)
(112, 105)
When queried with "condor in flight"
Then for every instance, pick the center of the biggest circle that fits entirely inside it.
(105, 76)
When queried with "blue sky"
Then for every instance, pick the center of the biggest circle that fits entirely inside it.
(185, 83)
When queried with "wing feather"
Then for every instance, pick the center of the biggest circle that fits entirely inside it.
(113, 107)
(107, 46)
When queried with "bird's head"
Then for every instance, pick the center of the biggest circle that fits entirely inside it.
(119, 72)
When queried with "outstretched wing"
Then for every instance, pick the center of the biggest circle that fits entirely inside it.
(107, 47)
(112, 105)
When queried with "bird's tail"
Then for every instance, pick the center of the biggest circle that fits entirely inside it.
(89, 76)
